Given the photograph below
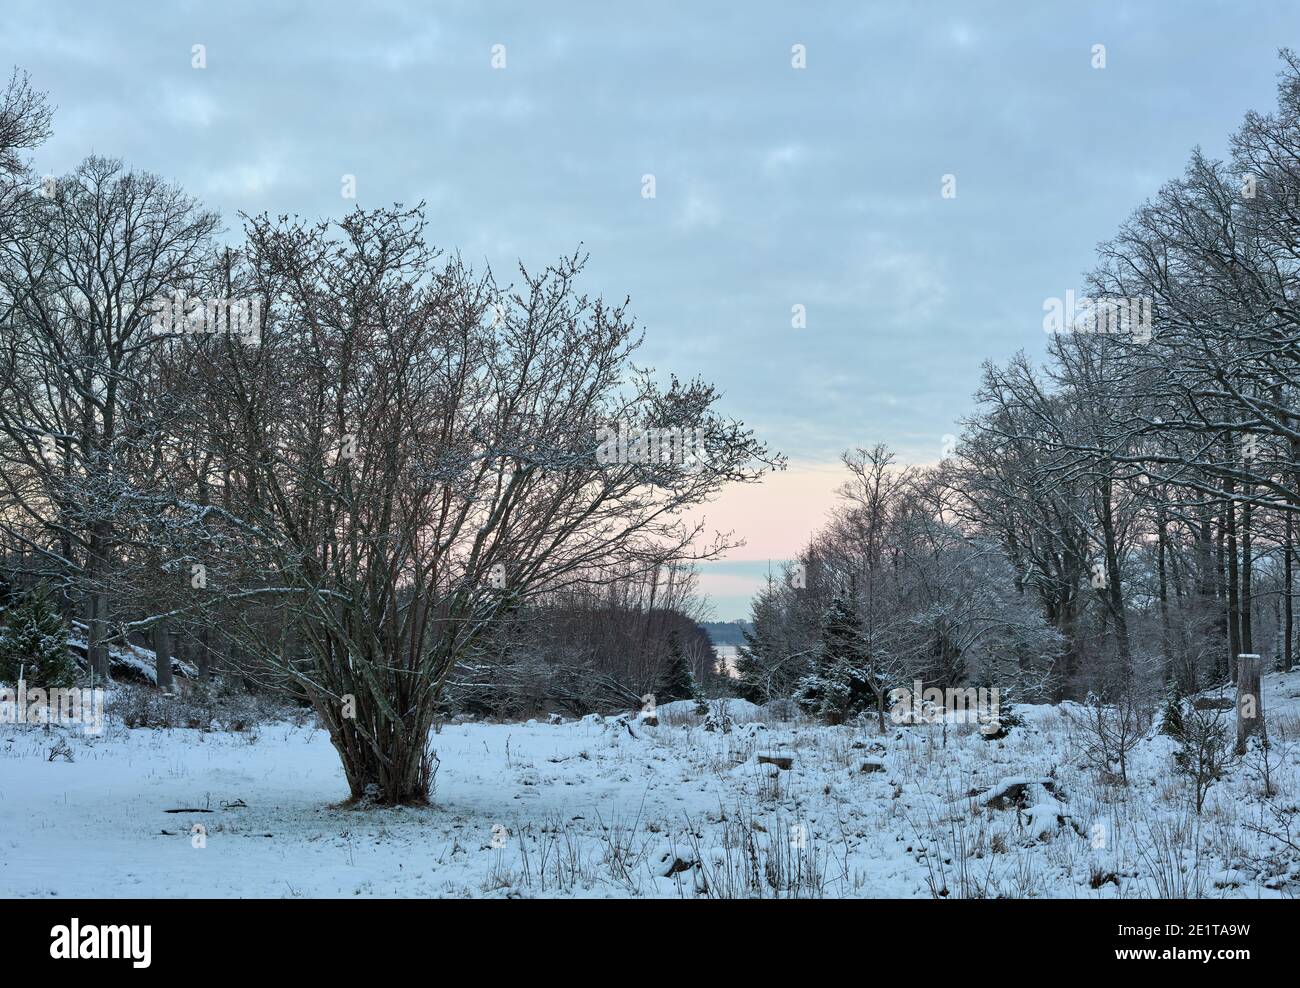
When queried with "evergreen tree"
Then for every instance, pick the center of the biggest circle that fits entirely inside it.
(995, 729)
(768, 665)
(752, 682)
(1171, 718)
(838, 687)
(34, 641)
(678, 681)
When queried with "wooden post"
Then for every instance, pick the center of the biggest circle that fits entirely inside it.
(1250, 700)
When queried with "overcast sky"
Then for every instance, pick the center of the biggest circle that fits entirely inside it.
(774, 186)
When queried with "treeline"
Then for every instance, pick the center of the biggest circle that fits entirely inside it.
(894, 588)
(597, 649)
(1121, 518)
(726, 632)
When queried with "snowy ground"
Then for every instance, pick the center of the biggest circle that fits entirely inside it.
(589, 809)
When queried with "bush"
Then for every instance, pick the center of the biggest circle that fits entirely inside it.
(1107, 733)
(1171, 718)
(995, 729)
(1205, 751)
(678, 682)
(838, 687)
(34, 644)
(201, 708)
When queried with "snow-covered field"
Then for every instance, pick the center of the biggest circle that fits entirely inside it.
(591, 809)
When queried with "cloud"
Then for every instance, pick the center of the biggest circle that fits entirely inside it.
(818, 187)
(241, 181)
(962, 35)
(784, 158)
(700, 210)
(190, 107)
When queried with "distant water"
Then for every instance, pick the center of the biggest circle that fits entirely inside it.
(728, 655)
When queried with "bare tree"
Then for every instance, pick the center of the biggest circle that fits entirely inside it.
(410, 457)
(83, 269)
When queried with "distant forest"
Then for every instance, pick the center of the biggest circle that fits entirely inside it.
(727, 632)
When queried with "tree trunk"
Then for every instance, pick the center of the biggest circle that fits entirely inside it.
(1163, 551)
(96, 650)
(203, 657)
(1234, 606)
(391, 766)
(1114, 589)
(1250, 700)
(1247, 631)
(1288, 551)
(163, 656)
